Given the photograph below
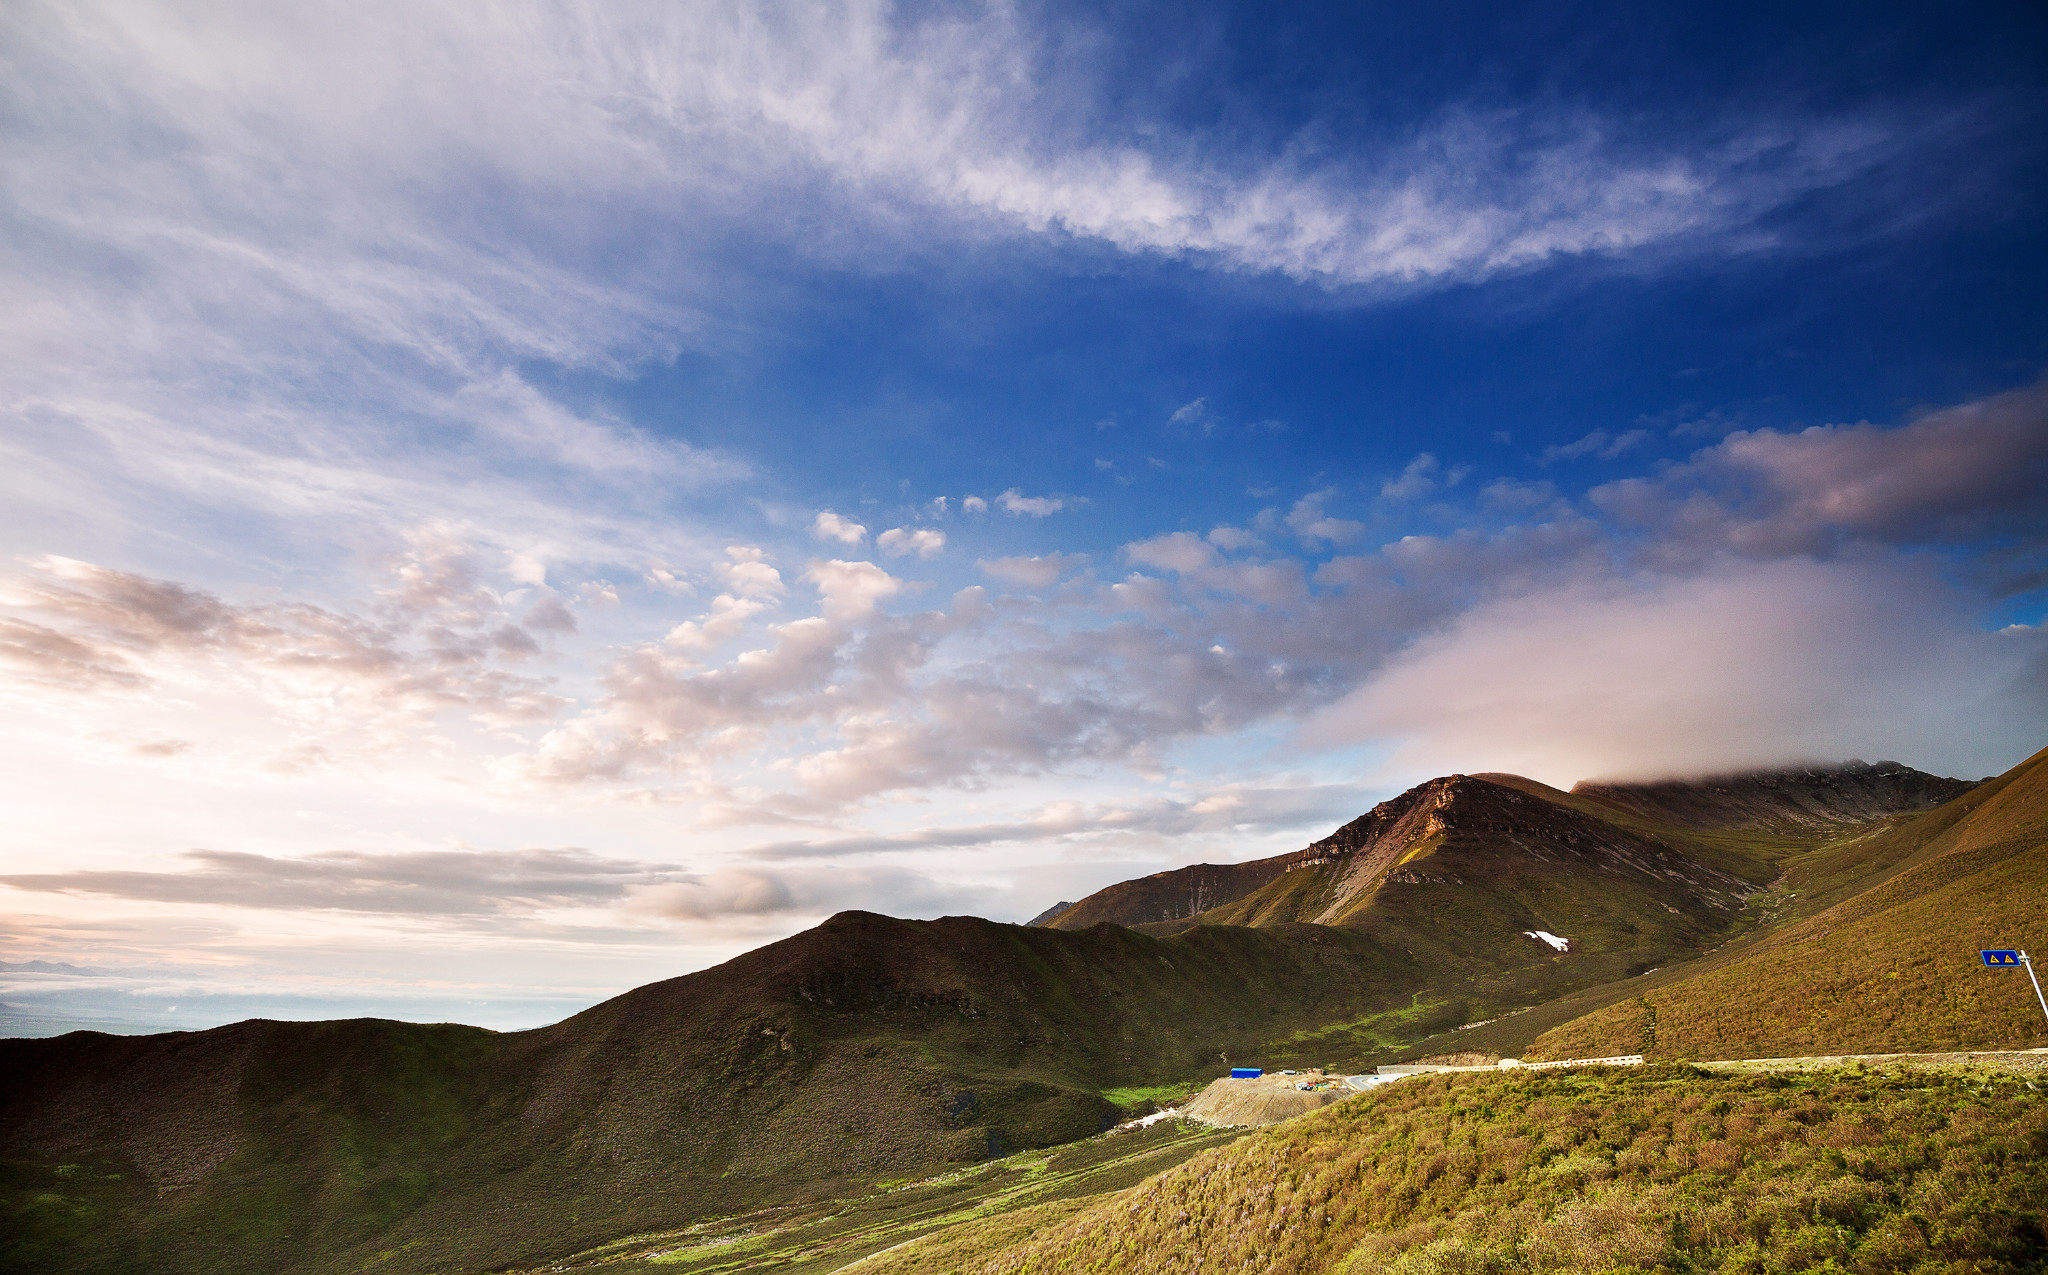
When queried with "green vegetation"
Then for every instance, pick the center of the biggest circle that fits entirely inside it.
(1145, 1099)
(873, 1080)
(866, 1050)
(1378, 1033)
(1012, 1196)
(1890, 968)
(1667, 1169)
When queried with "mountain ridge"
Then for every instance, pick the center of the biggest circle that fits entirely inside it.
(1806, 797)
(870, 1046)
(1665, 821)
(1890, 964)
(865, 1047)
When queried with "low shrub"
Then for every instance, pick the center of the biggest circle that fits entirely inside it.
(1665, 1169)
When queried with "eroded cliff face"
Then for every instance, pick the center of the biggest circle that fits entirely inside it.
(1489, 822)
(1536, 860)
(1204, 887)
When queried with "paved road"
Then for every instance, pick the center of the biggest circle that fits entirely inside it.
(2005, 1059)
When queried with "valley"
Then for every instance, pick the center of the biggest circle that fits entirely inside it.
(840, 1092)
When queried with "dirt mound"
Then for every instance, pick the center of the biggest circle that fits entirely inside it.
(1257, 1102)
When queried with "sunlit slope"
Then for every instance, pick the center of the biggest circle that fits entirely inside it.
(1617, 861)
(1893, 966)
(865, 1048)
(1662, 1169)
(1467, 872)
(1470, 857)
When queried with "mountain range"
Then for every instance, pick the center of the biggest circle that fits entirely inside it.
(1482, 911)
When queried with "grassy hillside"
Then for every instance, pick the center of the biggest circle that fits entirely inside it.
(1815, 797)
(1738, 826)
(1460, 873)
(1171, 896)
(1886, 957)
(1014, 1194)
(864, 1049)
(870, 1050)
(1666, 1169)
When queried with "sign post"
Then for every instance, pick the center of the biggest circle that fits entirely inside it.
(2010, 958)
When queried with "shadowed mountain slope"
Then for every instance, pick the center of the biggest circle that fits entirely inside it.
(866, 1047)
(1174, 895)
(871, 1048)
(1817, 797)
(1891, 965)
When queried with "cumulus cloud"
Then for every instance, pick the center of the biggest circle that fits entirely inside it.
(549, 616)
(1597, 443)
(1033, 571)
(804, 718)
(900, 542)
(1513, 496)
(1016, 502)
(747, 573)
(1421, 477)
(1194, 417)
(852, 590)
(1309, 521)
(1197, 563)
(830, 526)
(727, 620)
(1181, 551)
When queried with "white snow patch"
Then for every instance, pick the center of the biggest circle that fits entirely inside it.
(1146, 1122)
(1545, 936)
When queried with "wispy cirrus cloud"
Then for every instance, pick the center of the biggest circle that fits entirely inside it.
(439, 883)
(505, 885)
(275, 200)
(1234, 808)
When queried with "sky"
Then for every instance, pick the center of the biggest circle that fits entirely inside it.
(509, 501)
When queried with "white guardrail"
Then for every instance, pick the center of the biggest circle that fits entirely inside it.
(1512, 1064)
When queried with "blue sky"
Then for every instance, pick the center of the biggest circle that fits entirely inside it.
(510, 501)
